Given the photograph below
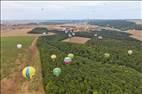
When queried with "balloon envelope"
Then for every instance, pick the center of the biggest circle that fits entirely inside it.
(100, 37)
(130, 52)
(67, 60)
(71, 55)
(66, 31)
(19, 46)
(107, 55)
(73, 34)
(69, 35)
(42, 9)
(56, 71)
(53, 56)
(95, 35)
(44, 33)
(28, 72)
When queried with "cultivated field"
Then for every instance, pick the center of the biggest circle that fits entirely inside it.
(137, 34)
(80, 40)
(20, 31)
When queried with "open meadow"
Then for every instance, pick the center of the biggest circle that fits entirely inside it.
(13, 60)
(9, 52)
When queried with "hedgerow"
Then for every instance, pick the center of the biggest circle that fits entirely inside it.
(38, 30)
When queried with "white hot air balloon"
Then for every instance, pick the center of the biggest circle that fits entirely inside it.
(66, 31)
(42, 9)
(44, 33)
(106, 55)
(100, 37)
(95, 35)
(71, 30)
(19, 46)
(73, 34)
(130, 52)
(69, 35)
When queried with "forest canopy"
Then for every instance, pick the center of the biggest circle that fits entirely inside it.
(90, 72)
(39, 30)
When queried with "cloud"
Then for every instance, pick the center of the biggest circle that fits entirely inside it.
(48, 4)
(70, 9)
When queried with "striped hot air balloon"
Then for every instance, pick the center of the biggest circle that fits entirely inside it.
(28, 72)
(67, 60)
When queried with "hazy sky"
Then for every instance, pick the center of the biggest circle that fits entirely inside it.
(48, 10)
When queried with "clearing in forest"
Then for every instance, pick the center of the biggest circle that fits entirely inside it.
(79, 40)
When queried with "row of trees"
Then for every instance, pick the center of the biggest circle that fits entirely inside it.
(38, 30)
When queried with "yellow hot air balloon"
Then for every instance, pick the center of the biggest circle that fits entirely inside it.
(71, 55)
(53, 57)
(130, 52)
(28, 72)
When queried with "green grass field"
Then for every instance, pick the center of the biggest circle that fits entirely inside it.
(9, 52)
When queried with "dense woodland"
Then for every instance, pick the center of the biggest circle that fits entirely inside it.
(38, 30)
(90, 72)
(119, 24)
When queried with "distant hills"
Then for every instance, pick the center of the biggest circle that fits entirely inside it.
(119, 24)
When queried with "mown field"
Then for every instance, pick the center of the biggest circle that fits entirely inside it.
(9, 53)
(90, 72)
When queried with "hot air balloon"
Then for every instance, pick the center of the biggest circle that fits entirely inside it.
(42, 9)
(69, 35)
(106, 55)
(28, 72)
(44, 33)
(73, 33)
(130, 52)
(19, 46)
(71, 55)
(67, 60)
(53, 57)
(95, 35)
(65, 30)
(71, 30)
(56, 71)
(100, 37)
